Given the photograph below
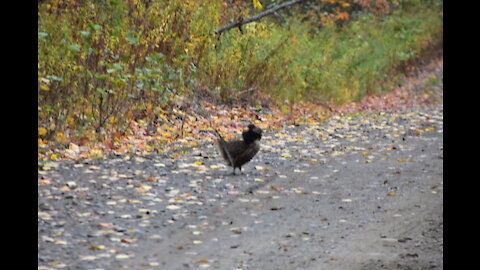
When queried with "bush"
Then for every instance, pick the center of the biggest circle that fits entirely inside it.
(104, 63)
(101, 62)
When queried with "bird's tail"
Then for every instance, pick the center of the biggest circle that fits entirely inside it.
(223, 145)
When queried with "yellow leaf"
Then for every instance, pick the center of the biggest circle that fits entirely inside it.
(257, 4)
(61, 137)
(44, 87)
(202, 260)
(145, 187)
(94, 247)
(198, 163)
(112, 119)
(260, 168)
(70, 120)
(135, 201)
(41, 131)
(391, 194)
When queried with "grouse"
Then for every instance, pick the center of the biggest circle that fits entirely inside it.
(239, 152)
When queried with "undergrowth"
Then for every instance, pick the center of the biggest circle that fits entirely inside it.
(333, 64)
(102, 64)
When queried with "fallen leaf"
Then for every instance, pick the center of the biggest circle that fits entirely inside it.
(94, 247)
(125, 240)
(277, 188)
(42, 131)
(44, 182)
(260, 168)
(173, 207)
(145, 187)
(88, 258)
(122, 256)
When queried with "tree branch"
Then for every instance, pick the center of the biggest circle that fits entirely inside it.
(257, 17)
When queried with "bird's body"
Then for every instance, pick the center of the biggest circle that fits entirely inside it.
(239, 152)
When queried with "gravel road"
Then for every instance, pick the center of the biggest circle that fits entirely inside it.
(358, 191)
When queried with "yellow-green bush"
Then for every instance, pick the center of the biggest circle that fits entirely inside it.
(101, 63)
(331, 64)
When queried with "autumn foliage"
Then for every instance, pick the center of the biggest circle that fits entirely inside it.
(110, 69)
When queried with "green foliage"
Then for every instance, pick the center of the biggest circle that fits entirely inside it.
(103, 63)
(331, 64)
(105, 60)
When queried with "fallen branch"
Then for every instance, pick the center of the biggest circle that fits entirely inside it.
(257, 17)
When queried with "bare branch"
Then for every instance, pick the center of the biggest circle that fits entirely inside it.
(258, 16)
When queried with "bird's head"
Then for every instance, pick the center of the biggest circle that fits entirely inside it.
(253, 133)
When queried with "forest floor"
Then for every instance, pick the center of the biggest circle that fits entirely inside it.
(362, 189)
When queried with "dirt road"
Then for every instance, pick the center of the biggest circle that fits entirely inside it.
(359, 191)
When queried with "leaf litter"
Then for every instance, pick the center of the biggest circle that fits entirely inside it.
(123, 196)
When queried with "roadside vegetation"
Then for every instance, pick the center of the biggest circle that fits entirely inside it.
(105, 67)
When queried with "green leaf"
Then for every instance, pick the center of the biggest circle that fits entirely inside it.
(95, 26)
(85, 33)
(131, 37)
(89, 73)
(132, 40)
(101, 76)
(117, 66)
(74, 47)
(53, 77)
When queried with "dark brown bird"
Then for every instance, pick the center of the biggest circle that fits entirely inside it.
(239, 152)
